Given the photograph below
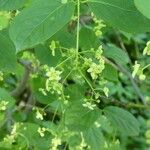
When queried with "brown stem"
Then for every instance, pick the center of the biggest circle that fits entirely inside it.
(22, 85)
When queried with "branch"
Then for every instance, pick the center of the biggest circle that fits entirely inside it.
(22, 85)
(123, 104)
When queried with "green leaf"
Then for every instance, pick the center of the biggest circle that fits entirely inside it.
(143, 6)
(44, 55)
(38, 83)
(88, 39)
(8, 61)
(122, 120)
(110, 73)
(94, 138)
(79, 118)
(30, 131)
(117, 54)
(11, 4)
(75, 91)
(5, 96)
(39, 22)
(121, 14)
(65, 38)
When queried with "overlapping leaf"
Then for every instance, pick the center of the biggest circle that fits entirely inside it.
(11, 4)
(39, 22)
(122, 120)
(143, 6)
(8, 61)
(121, 14)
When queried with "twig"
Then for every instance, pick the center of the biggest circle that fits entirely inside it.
(128, 74)
(135, 86)
(122, 45)
(9, 120)
(30, 104)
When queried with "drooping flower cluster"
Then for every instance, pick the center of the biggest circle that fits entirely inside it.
(53, 80)
(95, 69)
(99, 25)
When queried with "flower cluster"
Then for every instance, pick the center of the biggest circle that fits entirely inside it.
(89, 104)
(96, 68)
(55, 143)
(40, 113)
(52, 82)
(13, 135)
(3, 105)
(99, 25)
(41, 131)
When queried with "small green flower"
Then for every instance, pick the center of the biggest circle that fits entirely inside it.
(97, 124)
(98, 53)
(147, 49)
(96, 69)
(55, 143)
(53, 47)
(43, 91)
(1, 76)
(106, 91)
(99, 25)
(53, 75)
(40, 114)
(136, 68)
(142, 76)
(89, 105)
(41, 131)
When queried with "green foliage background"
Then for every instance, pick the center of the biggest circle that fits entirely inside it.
(74, 74)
